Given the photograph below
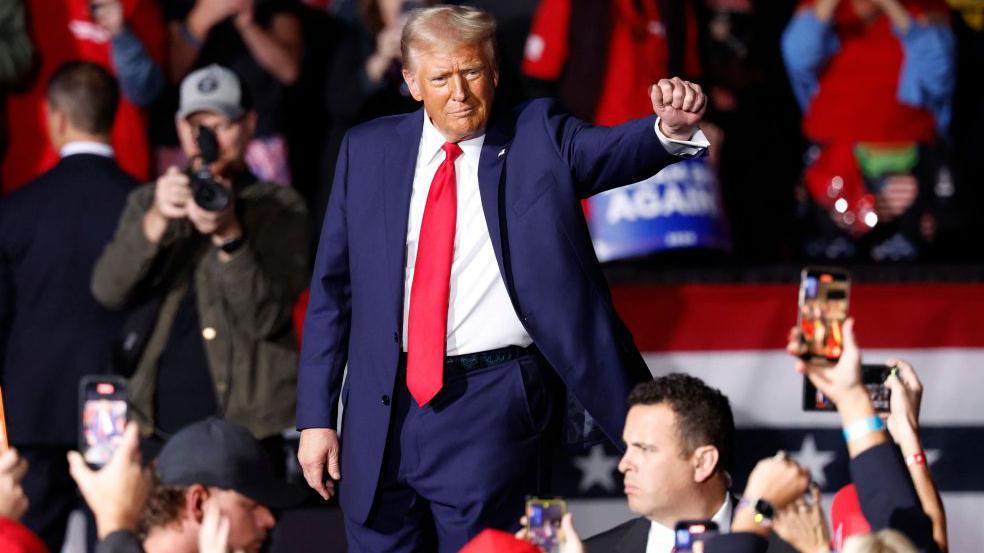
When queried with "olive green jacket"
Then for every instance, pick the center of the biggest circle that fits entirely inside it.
(244, 304)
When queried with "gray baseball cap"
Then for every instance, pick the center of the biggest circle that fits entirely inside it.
(214, 89)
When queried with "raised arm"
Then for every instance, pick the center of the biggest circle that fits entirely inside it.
(602, 158)
(903, 425)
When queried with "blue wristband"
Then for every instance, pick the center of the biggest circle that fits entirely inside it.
(863, 427)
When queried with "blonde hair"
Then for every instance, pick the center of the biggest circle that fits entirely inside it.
(443, 26)
(885, 541)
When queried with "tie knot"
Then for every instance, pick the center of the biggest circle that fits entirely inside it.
(452, 151)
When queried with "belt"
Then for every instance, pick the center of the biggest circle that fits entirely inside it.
(482, 359)
(469, 362)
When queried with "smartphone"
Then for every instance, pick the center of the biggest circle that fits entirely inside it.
(102, 401)
(872, 376)
(543, 518)
(4, 440)
(689, 535)
(823, 300)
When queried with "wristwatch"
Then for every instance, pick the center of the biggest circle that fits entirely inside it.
(764, 511)
(232, 245)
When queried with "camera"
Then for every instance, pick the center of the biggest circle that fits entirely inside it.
(205, 189)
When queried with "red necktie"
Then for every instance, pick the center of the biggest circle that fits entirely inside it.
(428, 324)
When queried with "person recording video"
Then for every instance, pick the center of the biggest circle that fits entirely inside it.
(209, 260)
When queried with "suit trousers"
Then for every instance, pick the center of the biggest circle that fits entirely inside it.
(463, 462)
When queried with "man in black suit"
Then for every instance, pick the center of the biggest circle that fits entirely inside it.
(52, 332)
(679, 437)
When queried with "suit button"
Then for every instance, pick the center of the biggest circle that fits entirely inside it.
(386, 400)
(396, 337)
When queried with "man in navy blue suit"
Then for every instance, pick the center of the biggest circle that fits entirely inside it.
(52, 331)
(456, 279)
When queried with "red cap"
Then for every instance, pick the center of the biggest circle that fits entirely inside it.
(15, 538)
(846, 518)
(497, 541)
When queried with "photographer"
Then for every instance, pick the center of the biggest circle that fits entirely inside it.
(210, 261)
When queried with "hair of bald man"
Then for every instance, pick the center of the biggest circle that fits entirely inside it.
(87, 94)
(884, 541)
(443, 26)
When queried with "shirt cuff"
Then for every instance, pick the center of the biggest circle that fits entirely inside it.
(694, 147)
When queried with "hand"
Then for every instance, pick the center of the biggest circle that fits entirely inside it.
(778, 480)
(570, 541)
(211, 12)
(802, 524)
(843, 379)
(116, 493)
(903, 417)
(319, 448)
(108, 14)
(213, 537)
(172, 194)
(244, 17)
(387, 51)
(13, 501)
(680, 105)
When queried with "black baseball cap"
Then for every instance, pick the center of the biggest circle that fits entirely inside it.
(216, 452)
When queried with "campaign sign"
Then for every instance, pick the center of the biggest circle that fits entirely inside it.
(678, 208)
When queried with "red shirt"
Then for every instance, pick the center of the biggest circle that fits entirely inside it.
(63, 31)
(857, 98)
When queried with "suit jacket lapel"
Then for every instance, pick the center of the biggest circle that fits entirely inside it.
(636, 538)
(495, 149)
(399, 160)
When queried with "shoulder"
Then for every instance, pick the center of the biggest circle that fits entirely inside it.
(273, 196)
(383, 126)
(635, 530)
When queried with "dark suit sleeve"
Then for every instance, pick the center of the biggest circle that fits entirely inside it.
(887, 496)
(328, 321)
(602, 158)
(737, 542)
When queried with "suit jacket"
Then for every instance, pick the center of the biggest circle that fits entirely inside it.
(52, 331)
(632, 536)
(536, 164)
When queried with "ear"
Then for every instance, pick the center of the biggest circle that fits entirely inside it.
(411, 79)
(195, 497)
(495, 77)
(705, 459)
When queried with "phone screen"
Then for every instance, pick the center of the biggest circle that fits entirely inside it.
(872, 376)
(689, 535)
(543, 518)
(823, 300)
(103, 418)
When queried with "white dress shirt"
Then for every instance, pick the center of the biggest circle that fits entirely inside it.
(661, 539)
(86, 147)
(481, 316)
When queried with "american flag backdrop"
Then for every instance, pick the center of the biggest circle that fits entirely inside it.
(732, 336)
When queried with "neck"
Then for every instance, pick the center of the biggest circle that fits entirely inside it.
(74, 135)
(170, 539)
(702, 504)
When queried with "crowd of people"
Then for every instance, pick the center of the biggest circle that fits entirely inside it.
(457, 308)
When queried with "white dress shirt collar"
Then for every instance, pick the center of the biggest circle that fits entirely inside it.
(661, 538)
(432, 140)
(86, 147)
